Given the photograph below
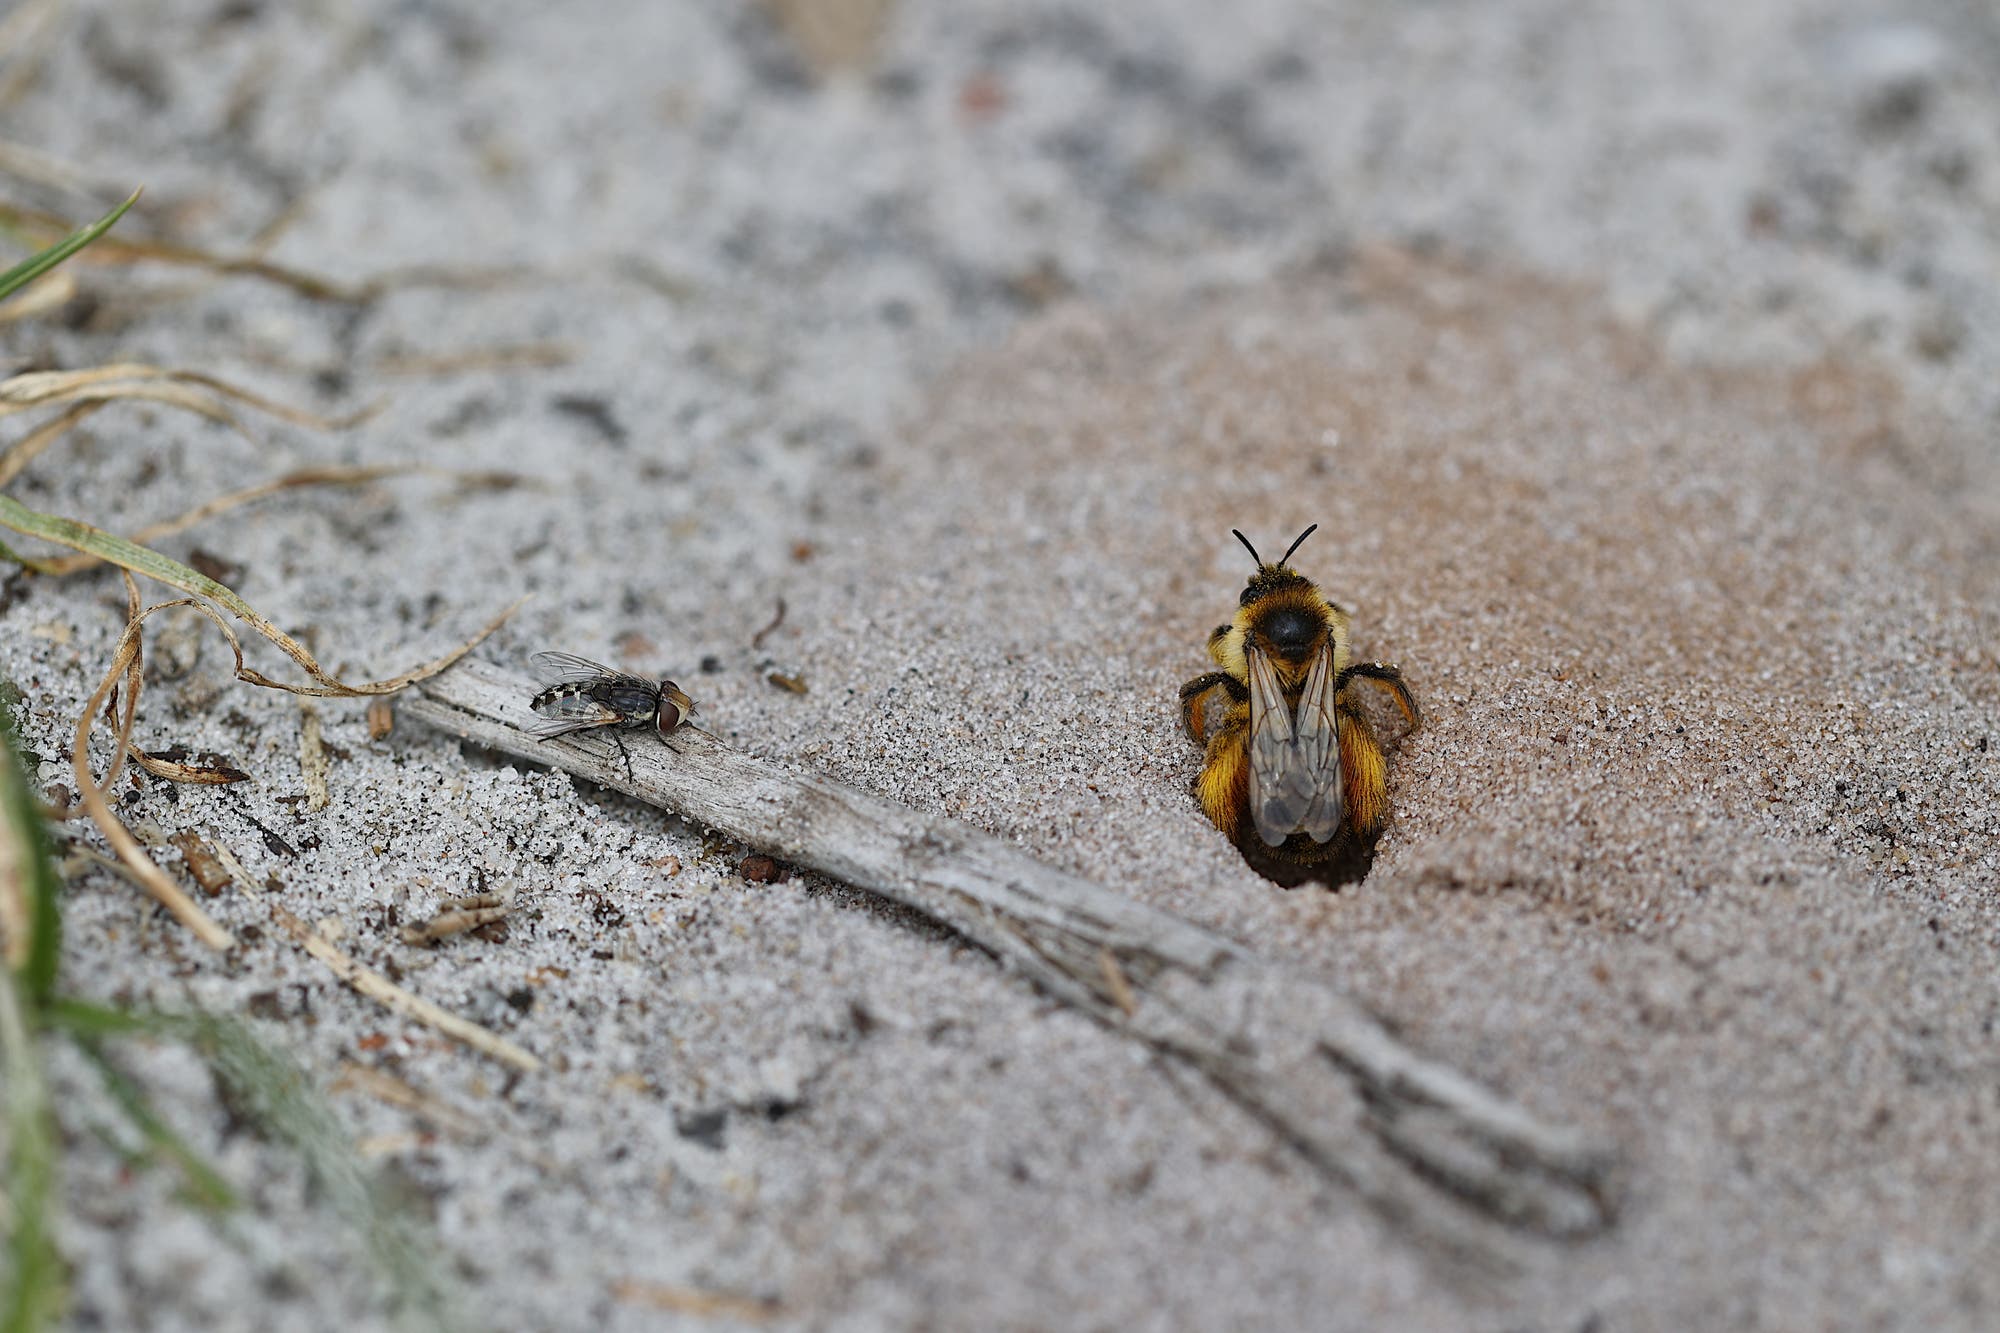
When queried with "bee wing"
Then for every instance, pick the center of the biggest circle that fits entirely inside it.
(567, 668)
(571, 712)
(1294, 761)
(1317, 729)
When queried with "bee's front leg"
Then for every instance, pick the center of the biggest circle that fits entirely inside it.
(1390, 677)
(1194, 700)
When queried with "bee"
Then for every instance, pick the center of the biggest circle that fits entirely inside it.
(582, 694)
(1293, 775)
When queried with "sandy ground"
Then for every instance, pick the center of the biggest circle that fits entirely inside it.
(1641, 365)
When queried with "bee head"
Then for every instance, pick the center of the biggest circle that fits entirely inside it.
(1275, 577)
(1282, 611)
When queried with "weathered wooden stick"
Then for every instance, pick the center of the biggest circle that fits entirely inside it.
(1404, 1131)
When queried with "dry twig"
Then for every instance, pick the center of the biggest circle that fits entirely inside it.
(386, 992)
(1429, 1147)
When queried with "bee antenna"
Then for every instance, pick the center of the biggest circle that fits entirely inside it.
(1248, 547)
(1295, 545)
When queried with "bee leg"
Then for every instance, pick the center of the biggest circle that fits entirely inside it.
(1390, 678)
(1194, 700)
(1223, 789)
(1364, 775)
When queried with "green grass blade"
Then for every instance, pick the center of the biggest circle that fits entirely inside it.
(35, 265)
(31, 1290)
(276, 1096)
(206, 1186)
(27, 875)
(87, 1021)
(118, 550)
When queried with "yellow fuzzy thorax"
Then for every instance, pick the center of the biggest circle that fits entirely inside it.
(1227, 649)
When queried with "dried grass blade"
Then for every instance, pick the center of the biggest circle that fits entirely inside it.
(699, 1302)
(222, 504)
(314, 763)
(34, 223)
(272, 408)
(386, 992)
(41, 437)
(51, 291)
(313, 286)
(517, 356)
(188, 775)
(155, 880)
(135, 680)
(130, 555)
(192, 390)
(32, 164)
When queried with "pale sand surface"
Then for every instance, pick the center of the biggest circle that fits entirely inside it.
(1640, 371)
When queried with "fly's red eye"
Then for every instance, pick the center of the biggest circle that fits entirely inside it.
(667, 718)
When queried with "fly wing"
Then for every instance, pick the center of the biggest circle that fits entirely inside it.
(571, 712)
(628, 696)
(1317, 729)
(1294, 762)
(567, 669)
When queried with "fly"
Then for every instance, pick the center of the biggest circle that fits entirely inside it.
(581, 695)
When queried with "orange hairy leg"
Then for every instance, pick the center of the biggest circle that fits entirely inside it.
(1196, 694)
(1224, 786)
(1364, 774)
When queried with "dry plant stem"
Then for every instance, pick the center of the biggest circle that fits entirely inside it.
(51, 291)
(39, 439)
(190, 390)
(127, 662)
(386, 992)
(313, 761)
(91, 796)
(43, 227)
(221, 504)
(135, 680)
(1430, 1148)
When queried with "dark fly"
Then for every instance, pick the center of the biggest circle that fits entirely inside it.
(581, 695)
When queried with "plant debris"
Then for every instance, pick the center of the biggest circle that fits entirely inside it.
(457, 916)
(202, 863)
